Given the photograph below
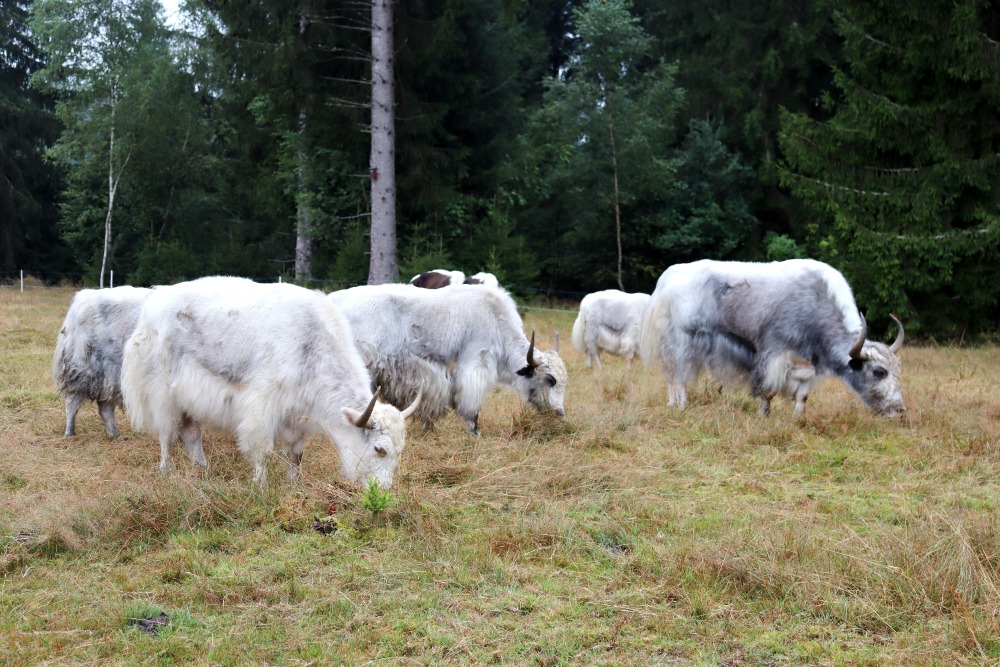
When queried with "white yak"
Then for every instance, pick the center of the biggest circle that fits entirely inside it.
(609, 321)
(267, 362)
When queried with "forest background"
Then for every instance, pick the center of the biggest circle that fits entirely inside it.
(560, 144)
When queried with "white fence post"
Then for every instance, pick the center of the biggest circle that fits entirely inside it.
(22, 281)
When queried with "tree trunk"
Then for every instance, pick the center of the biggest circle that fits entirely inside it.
(614, 171)
(382, 264)
(303, 212)
(303, 224)
(112, 183)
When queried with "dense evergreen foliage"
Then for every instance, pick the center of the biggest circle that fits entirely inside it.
(561, 144)
(28, 186)
(904, 178)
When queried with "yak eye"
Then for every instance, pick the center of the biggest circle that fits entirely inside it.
(381, 451)
(879, 373)
(550, 380)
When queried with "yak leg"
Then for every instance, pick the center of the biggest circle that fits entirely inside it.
(765, 405)
(73, 403)
(470, 391)
(191, 435)
(682, 368)
(803, 375)
(591, 342)
(256, 454)
(166, 465)
(678, 378)
(255, 447)
(293, 459)
(107, 411)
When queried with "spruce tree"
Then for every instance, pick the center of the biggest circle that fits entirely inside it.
(904, 177)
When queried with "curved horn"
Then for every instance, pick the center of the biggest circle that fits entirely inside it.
(531, 353)
(362, 421)
(556, 348)
(898, 343)
(855, 352)
(416, 402)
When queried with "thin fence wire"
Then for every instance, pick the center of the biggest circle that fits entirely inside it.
(25, 280)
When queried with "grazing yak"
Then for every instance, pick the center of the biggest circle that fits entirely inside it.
(442, 278)
(266, 362)
(456, 342)
(781, 325)
(87, 362)
(609, 321)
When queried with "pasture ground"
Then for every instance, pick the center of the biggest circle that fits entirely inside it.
(630, 534)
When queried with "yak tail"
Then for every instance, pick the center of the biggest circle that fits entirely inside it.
(578, 327)
(135, 378)
(62, 359)
(651, 328)
(70, 356)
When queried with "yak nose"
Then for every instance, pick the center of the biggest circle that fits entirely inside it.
(561, 413)
(895, 410)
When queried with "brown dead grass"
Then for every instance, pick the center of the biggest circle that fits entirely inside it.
(628, 534)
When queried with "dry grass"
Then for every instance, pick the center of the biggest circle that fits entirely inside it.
(629, 534)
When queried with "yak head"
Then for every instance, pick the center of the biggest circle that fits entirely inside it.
(382, 431)
(873, 372)
(545, 378)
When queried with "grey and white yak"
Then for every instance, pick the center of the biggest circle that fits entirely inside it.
(87, 362)
(456, 342)
(782, 326)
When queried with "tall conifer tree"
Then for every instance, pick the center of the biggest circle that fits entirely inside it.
(905, 176)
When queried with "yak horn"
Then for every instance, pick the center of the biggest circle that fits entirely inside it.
(362, 421)
(416, 402)
(531, 352)
(855, 352)
(556, 348)
(898, 343)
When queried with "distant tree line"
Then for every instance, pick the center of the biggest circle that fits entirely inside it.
(567, 144)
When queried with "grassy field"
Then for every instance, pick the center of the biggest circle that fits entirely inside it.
(630, 534)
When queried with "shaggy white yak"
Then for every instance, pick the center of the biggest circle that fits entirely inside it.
(781, 327)
(609, 321)
(457, 342)
(87, 362)
(270, 363)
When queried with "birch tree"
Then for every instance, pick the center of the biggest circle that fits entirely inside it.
(95, 50)
(604, 139)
